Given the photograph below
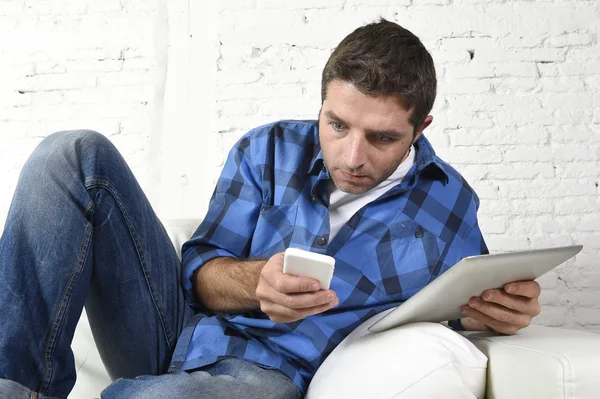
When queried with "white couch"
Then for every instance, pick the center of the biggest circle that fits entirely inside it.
(537, 362)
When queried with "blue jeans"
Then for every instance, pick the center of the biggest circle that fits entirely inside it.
(81, 231)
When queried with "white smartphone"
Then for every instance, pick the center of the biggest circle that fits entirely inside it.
(305, 263)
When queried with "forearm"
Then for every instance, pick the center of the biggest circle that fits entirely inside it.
(228, 284)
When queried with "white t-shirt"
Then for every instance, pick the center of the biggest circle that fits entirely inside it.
(342, 206)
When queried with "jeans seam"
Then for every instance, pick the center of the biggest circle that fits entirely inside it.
(60, 315)
(107, 185)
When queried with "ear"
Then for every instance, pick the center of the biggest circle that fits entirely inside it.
(425, 124)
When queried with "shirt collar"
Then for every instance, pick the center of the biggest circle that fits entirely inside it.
(427, 163)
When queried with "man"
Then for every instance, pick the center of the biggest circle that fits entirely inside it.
(362, 184)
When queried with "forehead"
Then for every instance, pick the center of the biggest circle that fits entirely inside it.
(349, 104)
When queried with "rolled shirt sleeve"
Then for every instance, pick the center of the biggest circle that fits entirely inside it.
(227, 229)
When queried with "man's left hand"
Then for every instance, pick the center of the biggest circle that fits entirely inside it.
(505, 311)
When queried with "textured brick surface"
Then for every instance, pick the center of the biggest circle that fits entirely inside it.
(517, 111)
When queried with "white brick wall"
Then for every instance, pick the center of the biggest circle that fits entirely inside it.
(518, 110)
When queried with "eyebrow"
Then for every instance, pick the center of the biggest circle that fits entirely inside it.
(392, 133)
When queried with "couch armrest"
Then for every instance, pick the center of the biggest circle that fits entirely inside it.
(541, 362)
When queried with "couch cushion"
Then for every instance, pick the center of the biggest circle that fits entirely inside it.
(421, 360)
(542, 362)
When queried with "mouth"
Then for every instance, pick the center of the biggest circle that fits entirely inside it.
(352, 177)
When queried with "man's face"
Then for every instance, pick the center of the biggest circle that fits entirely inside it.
(363, 138)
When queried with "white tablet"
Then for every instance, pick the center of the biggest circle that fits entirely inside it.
(442, 298)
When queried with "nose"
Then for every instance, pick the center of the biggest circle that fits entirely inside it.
(357, 153)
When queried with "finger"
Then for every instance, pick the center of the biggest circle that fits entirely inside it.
(265, 292)
(305, 301)
(529, 289)
(500, 313)
(496, 325)
(288, 283)
(281, 314)
(520, 304)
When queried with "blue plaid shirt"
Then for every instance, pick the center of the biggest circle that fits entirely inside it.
(272, 194)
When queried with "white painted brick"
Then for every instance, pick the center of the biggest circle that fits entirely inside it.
(571, 115)
(45, 67)
(105, 6)
(493, 136)
(569, 40)
(236, 77)
(574, 134)
(551, 316)
(236, 4)
(519, 69)
(486, 102)
(435, 2)
(569, 68)
(577, 170)
(586, 316)
(547, 241)
(562, 84)
(588, 240)
(255, 90)
(519, 171)
(473, 172)
(469, 70)
(521, 39)
(548, 281)
(467, 43)
(14, 98)
(492, 225)
(464, 86)
(440, 57)
(145, 63)
(566, 100)
(521, 115)
(589, 223)
(11, 8)
(101, 65)
(583, 280)
(516, 206)
(471, 155)
(584, 298)
(57, 82)
(514, 85)
(547, 225)
(124, 78)
(485, 190)
(546, 154)
(546, 188)
(531, 55)
(300, 4)
(577, 205)
(507, 243)
(549, 297)
(464, 120)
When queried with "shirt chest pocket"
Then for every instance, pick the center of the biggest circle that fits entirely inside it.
(274, 230)
(409, 257)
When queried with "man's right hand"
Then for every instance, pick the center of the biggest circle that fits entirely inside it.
(286, 298)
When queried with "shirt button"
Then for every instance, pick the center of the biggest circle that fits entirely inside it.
(321, 241)
(418, 233)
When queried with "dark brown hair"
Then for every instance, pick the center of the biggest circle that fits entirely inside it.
(384, 59)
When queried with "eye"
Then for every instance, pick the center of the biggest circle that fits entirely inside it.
(383, 138)
(337, 126)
